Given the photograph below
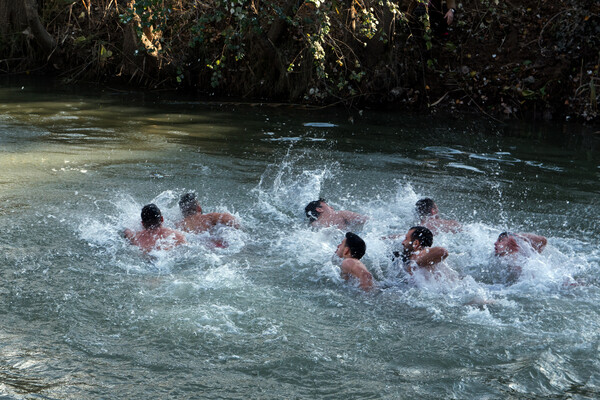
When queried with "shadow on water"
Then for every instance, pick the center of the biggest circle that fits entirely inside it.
(182, 110)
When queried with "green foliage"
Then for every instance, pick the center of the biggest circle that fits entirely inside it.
(502, 57)
(313, 36)
(149, 13)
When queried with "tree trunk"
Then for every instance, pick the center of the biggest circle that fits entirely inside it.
(45, 40)
(21, 16)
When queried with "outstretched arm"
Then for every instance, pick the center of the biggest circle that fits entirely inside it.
(430, 256)
(538, 242)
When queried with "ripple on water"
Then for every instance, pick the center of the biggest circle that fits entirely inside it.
(271, 309)
(466, 167)
(319, 124)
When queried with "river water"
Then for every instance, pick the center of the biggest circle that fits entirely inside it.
(83, 314)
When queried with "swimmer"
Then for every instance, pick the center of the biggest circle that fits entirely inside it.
(417, 251)
(508, 243)
(429, 217)
(195, 221)
(351, 251)
(320, 214)
(514, 245)
(154, 235)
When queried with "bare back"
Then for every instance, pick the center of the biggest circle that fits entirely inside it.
(340, 219)
(203, 222)
(438, 225)
(155, 239)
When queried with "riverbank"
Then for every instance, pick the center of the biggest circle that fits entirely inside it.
(506, 61)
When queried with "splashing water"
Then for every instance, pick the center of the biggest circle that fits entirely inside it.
(268, 315)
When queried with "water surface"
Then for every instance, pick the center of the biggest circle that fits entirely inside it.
(85, 315)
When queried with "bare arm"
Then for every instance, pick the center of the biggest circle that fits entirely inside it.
(352, 217)
(450, 225)
(229, 220)
(224, 219)
(450, 5)
(538, 242)
(430, 256)
(357, 269)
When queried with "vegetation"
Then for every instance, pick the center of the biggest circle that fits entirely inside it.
(518, 59)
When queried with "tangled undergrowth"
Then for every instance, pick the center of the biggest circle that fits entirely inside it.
(511, 59)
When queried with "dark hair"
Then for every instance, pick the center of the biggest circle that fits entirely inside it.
(504, 234)
(311, 209)
(424, 207)
(356, 245)
(151, 216)
(187, 204)
(423, 235)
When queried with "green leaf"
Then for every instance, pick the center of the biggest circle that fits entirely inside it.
(527, 93)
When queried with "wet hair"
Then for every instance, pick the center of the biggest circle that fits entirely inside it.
(311, 209)
(187, 204)
(504, 234)
(423, 235)
(356, 245)
(151, 216)
(424, 207)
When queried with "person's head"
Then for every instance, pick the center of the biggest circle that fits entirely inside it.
(315, 208)
(506, 244)
(352, 246)
(426, 208)
(151, 216)
(417, 238)
(189, 205)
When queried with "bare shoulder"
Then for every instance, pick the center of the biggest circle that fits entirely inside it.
(351, 262)
(187, 223)
(443, 225)
(430, 256)
(538, 242)
(226, 219)
(353, 266)
(353, 217)
(452, 226)
(194, 223)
